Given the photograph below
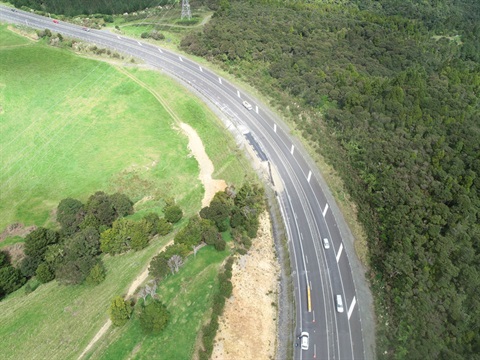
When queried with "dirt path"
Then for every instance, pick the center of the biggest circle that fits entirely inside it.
(248, 327)
(195, 145)
(211, 186)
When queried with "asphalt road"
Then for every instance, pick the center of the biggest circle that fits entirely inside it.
(308, 209)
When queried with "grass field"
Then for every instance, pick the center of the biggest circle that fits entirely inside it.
(188, 295)
(62, 135)
(70, 126)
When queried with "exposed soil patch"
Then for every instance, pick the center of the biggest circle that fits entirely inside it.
(248, 327)
(16, 229)
(206, 166)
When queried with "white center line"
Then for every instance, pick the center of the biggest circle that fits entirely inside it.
(139, 43)
(220, 80)
(201, 70)
(180, 58)
(275, 127)
(291, 150)
(350, 309)
(160, 50)
(325, 210)
(256, 109)
(238, 93)
(118, 37)
(309, 175)
(339, 252)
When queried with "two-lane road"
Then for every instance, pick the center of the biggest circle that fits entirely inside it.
(320, 274)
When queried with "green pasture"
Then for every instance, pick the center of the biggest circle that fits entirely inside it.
(57, 322)
(188, 296)
(71, 126)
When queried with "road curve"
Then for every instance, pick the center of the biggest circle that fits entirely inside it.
(309, 211)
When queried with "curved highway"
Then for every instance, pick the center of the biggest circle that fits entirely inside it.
(321, 274)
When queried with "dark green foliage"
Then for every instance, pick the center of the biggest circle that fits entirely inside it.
(10, 280)
(70, 213)
(97, 274)
(400, 124)
(173, 213)
(29, 265)
(154, 317)
(164, 227)
(120, 311)
(44, 273)
(159, 267)
(210, 235)
(37, 241)
(219, 244)
(153, 220)
(122, 205)
(218, 212)
(100, 206)
(4, 259)
(191, 234)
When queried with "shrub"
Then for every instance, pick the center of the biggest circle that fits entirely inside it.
(164, 227)
(119, 311)
(154, 317)
(220, 244)
(173, 213)
(97, 274)
(44, 273)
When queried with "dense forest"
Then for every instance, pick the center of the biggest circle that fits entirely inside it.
(394, 85)
(88, 7)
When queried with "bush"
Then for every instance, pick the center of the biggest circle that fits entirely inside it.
(220, 244)
(173, 213)
(119, 311)
(164, 227)
(97, 274)
(154, 317)
(44, 273)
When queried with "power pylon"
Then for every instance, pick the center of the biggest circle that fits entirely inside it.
(186, 13)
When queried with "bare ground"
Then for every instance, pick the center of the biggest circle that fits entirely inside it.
(248, 327)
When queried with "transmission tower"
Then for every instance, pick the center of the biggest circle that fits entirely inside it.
(186, 13)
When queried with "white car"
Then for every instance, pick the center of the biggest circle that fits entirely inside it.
(339, 303)
(326, 244)
(247, 105)
(304, 340)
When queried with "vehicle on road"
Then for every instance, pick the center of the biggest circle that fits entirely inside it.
(326, 243)
(85, 29)
(305, 340)
(55, 21)
(247, 105)
(339, 302)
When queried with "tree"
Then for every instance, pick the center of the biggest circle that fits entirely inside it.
(10, 280)
(37, 241)
(173, 213)
(153, 220)
(218, 212)
(4, 259)
(174, 263)
(44, 273)
(119, 311)
(220, 244)
(70, 213)
(101, 207)
(97, 274)
(154, 317)
(158, 267)
(164, 227)
(122, 205)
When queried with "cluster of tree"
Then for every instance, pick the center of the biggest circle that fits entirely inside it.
(388, 92)
(154, 34)
(71, 255)
(228, 210)
(88, 7)
(10, 278)
(223, 292)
